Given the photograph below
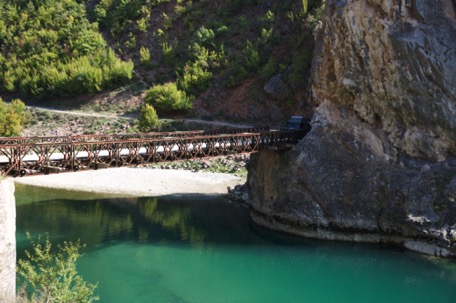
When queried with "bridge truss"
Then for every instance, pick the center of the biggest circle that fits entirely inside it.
(43, 155)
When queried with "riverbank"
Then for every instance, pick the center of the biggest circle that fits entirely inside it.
(140, 182)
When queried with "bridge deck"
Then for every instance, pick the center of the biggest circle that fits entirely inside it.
(44, 155)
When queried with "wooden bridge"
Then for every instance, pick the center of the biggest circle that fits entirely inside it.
(22, 156)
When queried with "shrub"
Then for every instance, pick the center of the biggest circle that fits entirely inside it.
(52, 277)
(251, 57)
(222, 29)
(12, 118)
(194, 78)
(169, 51)
(244, 23)
(147, 119)
(168, 97)
(144, 56)
(205, 36)
(269, 69)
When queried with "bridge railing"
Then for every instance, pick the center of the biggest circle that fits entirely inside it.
(108, 137)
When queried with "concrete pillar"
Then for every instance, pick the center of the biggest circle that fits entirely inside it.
(7, 242)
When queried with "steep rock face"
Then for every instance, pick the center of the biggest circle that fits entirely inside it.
(396, 69)
(379, 164)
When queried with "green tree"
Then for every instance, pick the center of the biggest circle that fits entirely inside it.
(51, 277)
(168, 97)
(12, 118)
(148, 119)
(194, 78)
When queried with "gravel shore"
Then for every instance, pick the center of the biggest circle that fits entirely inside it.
(137, 182)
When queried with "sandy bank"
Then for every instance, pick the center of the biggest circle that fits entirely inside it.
(137, 182)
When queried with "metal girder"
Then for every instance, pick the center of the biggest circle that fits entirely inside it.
(44, 155)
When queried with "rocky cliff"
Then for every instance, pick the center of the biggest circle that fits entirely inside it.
(380, 162)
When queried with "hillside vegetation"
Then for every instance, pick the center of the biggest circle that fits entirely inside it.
(49, 49)
(209, 58)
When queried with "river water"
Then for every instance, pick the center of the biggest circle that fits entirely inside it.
(203, 249)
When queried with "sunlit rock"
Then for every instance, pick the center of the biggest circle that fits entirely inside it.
(380, 161)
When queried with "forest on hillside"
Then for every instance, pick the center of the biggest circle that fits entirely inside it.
(179, 50)
(49, 48)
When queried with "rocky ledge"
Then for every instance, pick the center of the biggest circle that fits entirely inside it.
(340, 187)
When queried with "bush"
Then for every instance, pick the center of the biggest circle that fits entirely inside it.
(144, 56)
(194, 78)
(205, 36)
(148, 119)
(269, 69)
(12, 118)
(52, 277)
(168, 97)
(169, 51)
(251, 57)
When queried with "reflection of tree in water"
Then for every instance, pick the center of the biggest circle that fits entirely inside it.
(104, 221)
(175, 218)
(93, 222)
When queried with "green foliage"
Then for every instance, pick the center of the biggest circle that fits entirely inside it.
(205, 41)
(51, 277)
(168, 51)
(236, 76)
(222, 29)
(116, 15)
(266, 34)
(167, 21)
(131, 42)
(144, 56)
(147, 119)
(12, 118)
(251, 57)
(304, 6)
(269, 69)
(168, 97)
(50, 49)
(196, 74)
(194, 78)
(143, 23)
(243, 22)
(205, 36)
(269, 17)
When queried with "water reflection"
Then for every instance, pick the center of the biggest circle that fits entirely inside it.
(196, 222)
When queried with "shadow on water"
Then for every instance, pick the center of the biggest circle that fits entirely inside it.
(99, 221)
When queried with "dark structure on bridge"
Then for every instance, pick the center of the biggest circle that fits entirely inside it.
(43, 155)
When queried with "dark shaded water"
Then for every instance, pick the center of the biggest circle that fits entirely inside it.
(207, 250)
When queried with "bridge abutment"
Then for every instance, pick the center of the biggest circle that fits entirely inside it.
(7, 242)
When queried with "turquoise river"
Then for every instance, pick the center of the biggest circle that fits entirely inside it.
(207, 250)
